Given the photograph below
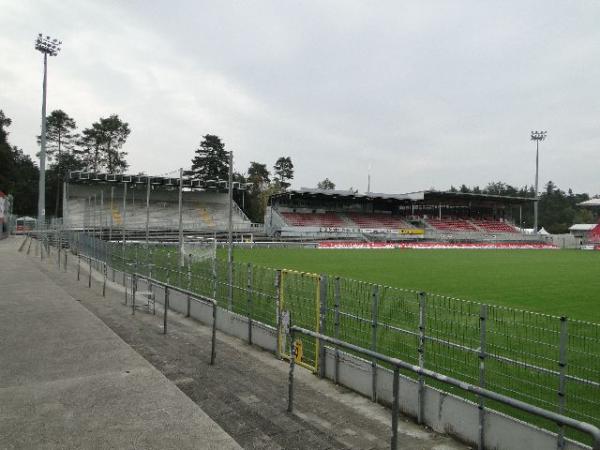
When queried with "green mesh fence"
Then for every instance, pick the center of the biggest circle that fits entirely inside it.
(525, 355)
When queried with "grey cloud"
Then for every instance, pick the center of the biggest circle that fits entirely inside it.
(433, 93)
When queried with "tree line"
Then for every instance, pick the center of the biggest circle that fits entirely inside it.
(558, 209)
(18, 173)
(211, 163)
(97, 148)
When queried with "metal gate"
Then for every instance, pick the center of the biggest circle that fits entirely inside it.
(299, 294)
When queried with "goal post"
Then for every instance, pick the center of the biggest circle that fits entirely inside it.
(199, 249)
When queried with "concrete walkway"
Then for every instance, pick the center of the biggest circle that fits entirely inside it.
(68, 382)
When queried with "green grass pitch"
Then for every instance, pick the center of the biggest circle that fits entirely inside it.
(557, 282)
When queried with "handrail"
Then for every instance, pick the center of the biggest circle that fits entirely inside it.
(190, 295)
(584, 427)
(167, 287)
(193, 295)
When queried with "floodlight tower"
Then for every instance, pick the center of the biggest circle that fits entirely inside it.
(537, 136)
(48, 47)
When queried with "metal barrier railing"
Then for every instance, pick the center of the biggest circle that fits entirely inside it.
(191, 296)
(398, 364)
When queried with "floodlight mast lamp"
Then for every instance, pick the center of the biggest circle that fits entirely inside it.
(48, 47)
(537, 136)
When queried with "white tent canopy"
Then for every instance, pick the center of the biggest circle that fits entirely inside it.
(592, 202)
(530, 231)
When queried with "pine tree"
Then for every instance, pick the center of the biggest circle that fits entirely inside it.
(284, 171)
(211, 161)
(90, 148)
(60, 141)
(114, 135)
(100, 145)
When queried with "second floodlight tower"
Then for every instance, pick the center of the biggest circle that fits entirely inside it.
(537, 136)
(48, 47)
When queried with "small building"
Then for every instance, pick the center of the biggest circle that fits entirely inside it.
(585, 231)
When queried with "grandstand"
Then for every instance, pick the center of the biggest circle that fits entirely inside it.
(424, 215)
(96, 201)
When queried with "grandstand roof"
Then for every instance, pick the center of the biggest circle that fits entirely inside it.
(419, 196)
(583, 227)
(142, 179)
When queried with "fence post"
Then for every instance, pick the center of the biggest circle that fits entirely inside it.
(421, 350)
(562, 367)
(336, 327)
(151, 289)
(65, 261)
(214, 333)
(180, 266)
(90, 274)
(168, 266)
(110, 223)
(323, 280)
(125, 284)
(482, 355)
(78, 265)
(290, 332)
(58, 247)
(165, 309)
(395, 407)
(189, 287)
(374, 306)
(249, 293)
(104, 281)
(124, 216)
(136, 264)
(214, 278)
(110, 257)
(133, 291)
(230, 278)
(278, 311)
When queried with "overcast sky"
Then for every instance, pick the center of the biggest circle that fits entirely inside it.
(428, 94)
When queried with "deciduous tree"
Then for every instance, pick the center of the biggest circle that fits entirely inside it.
(326, 184)
(18, 174)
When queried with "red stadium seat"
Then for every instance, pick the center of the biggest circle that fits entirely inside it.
(378, 221)
(322, 220)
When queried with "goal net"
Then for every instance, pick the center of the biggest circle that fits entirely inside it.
(197, 249)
